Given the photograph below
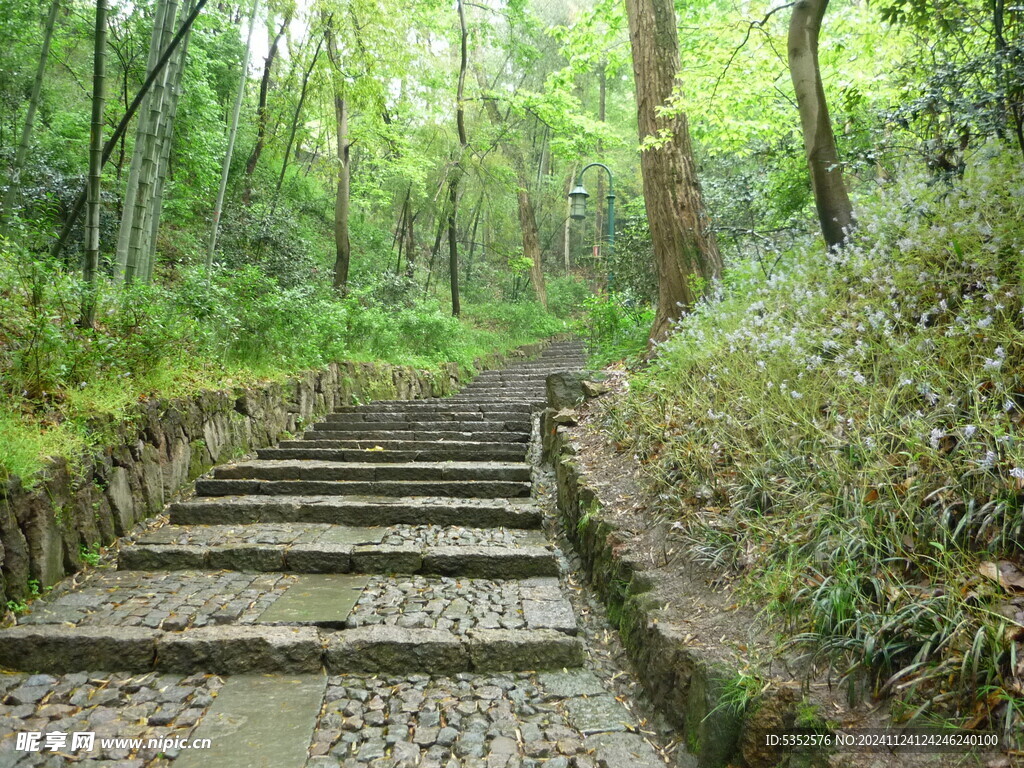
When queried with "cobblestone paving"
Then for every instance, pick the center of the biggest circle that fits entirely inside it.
(171, 600)
(446, 536)
(457, 605)
(109, 705)
(503, 721)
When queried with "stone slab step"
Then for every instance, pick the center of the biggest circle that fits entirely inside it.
(246, 710)
(327, 556)
(367, 510)
(460, 489)
(440, 405)
(317, 599)
(394, 650)
(289, 469)
(437, 452)
(376, 417)
(488, 425)
(261, 649)
(326, 433)
(401, 445)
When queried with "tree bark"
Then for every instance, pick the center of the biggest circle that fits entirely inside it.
(232, 133)
(156, 44)
(531, 245)
(453, 184)
(835, 214)
(14, 186)
(92, 219)
(684, 244)
(147, 147)
(164, 141)
(342, 244)
(261, 112)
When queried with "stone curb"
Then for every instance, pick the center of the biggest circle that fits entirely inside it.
(326, 557)
(489, 513)
(230, 650)
(480, 489)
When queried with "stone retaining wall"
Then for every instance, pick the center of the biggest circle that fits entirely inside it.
(167, 444)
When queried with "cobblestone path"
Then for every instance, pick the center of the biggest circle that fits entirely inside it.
(379, 592)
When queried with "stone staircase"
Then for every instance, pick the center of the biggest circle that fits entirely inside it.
(392, 538)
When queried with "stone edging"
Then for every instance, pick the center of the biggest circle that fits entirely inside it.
(166, 444)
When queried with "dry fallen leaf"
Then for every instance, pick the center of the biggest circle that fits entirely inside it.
(1005, 573)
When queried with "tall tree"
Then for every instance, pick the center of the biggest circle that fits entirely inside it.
(92, 219)
(261, 111)
(76, 208)
(342, 243)
(14, 184)
(128, 210)
(835, 214)
(164, 141)
(232, 133)
(684, 244)
(456, 177)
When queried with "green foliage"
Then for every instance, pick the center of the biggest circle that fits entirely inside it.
(844, 434)
(616, 325)
(203, 330)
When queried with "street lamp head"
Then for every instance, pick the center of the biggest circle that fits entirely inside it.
(578, 199)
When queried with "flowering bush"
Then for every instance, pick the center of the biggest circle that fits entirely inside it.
(844, 434)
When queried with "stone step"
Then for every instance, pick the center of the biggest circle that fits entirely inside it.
(522, 391)
(349, 443)
(289, 469)
(418, 436)
(488, 425)
(435, 404)
(452, 488)
(236, 650)
(497, 452)
(422, 414)
(329, 552)
(242, 510)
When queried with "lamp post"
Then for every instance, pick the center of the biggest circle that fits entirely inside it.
(578, 199)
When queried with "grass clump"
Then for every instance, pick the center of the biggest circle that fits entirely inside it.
(844, 433)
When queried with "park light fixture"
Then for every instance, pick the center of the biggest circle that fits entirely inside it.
(578, 199)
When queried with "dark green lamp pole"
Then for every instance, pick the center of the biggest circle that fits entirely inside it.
(578, 199)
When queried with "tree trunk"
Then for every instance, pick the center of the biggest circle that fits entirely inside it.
(531, 245)
(342, 244)
(453, 184)
(599, 198)
(684, 244)
(14, 185)
(92, 219)
(108, 148)
(410, 244)
(472, 239)
(232, 133)
(567, 225)
(261, 112)
(441, 219)
(453, 249)
(147, 171)
(165, 140)
(295, 119)
(156, 44)
(835, 213)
